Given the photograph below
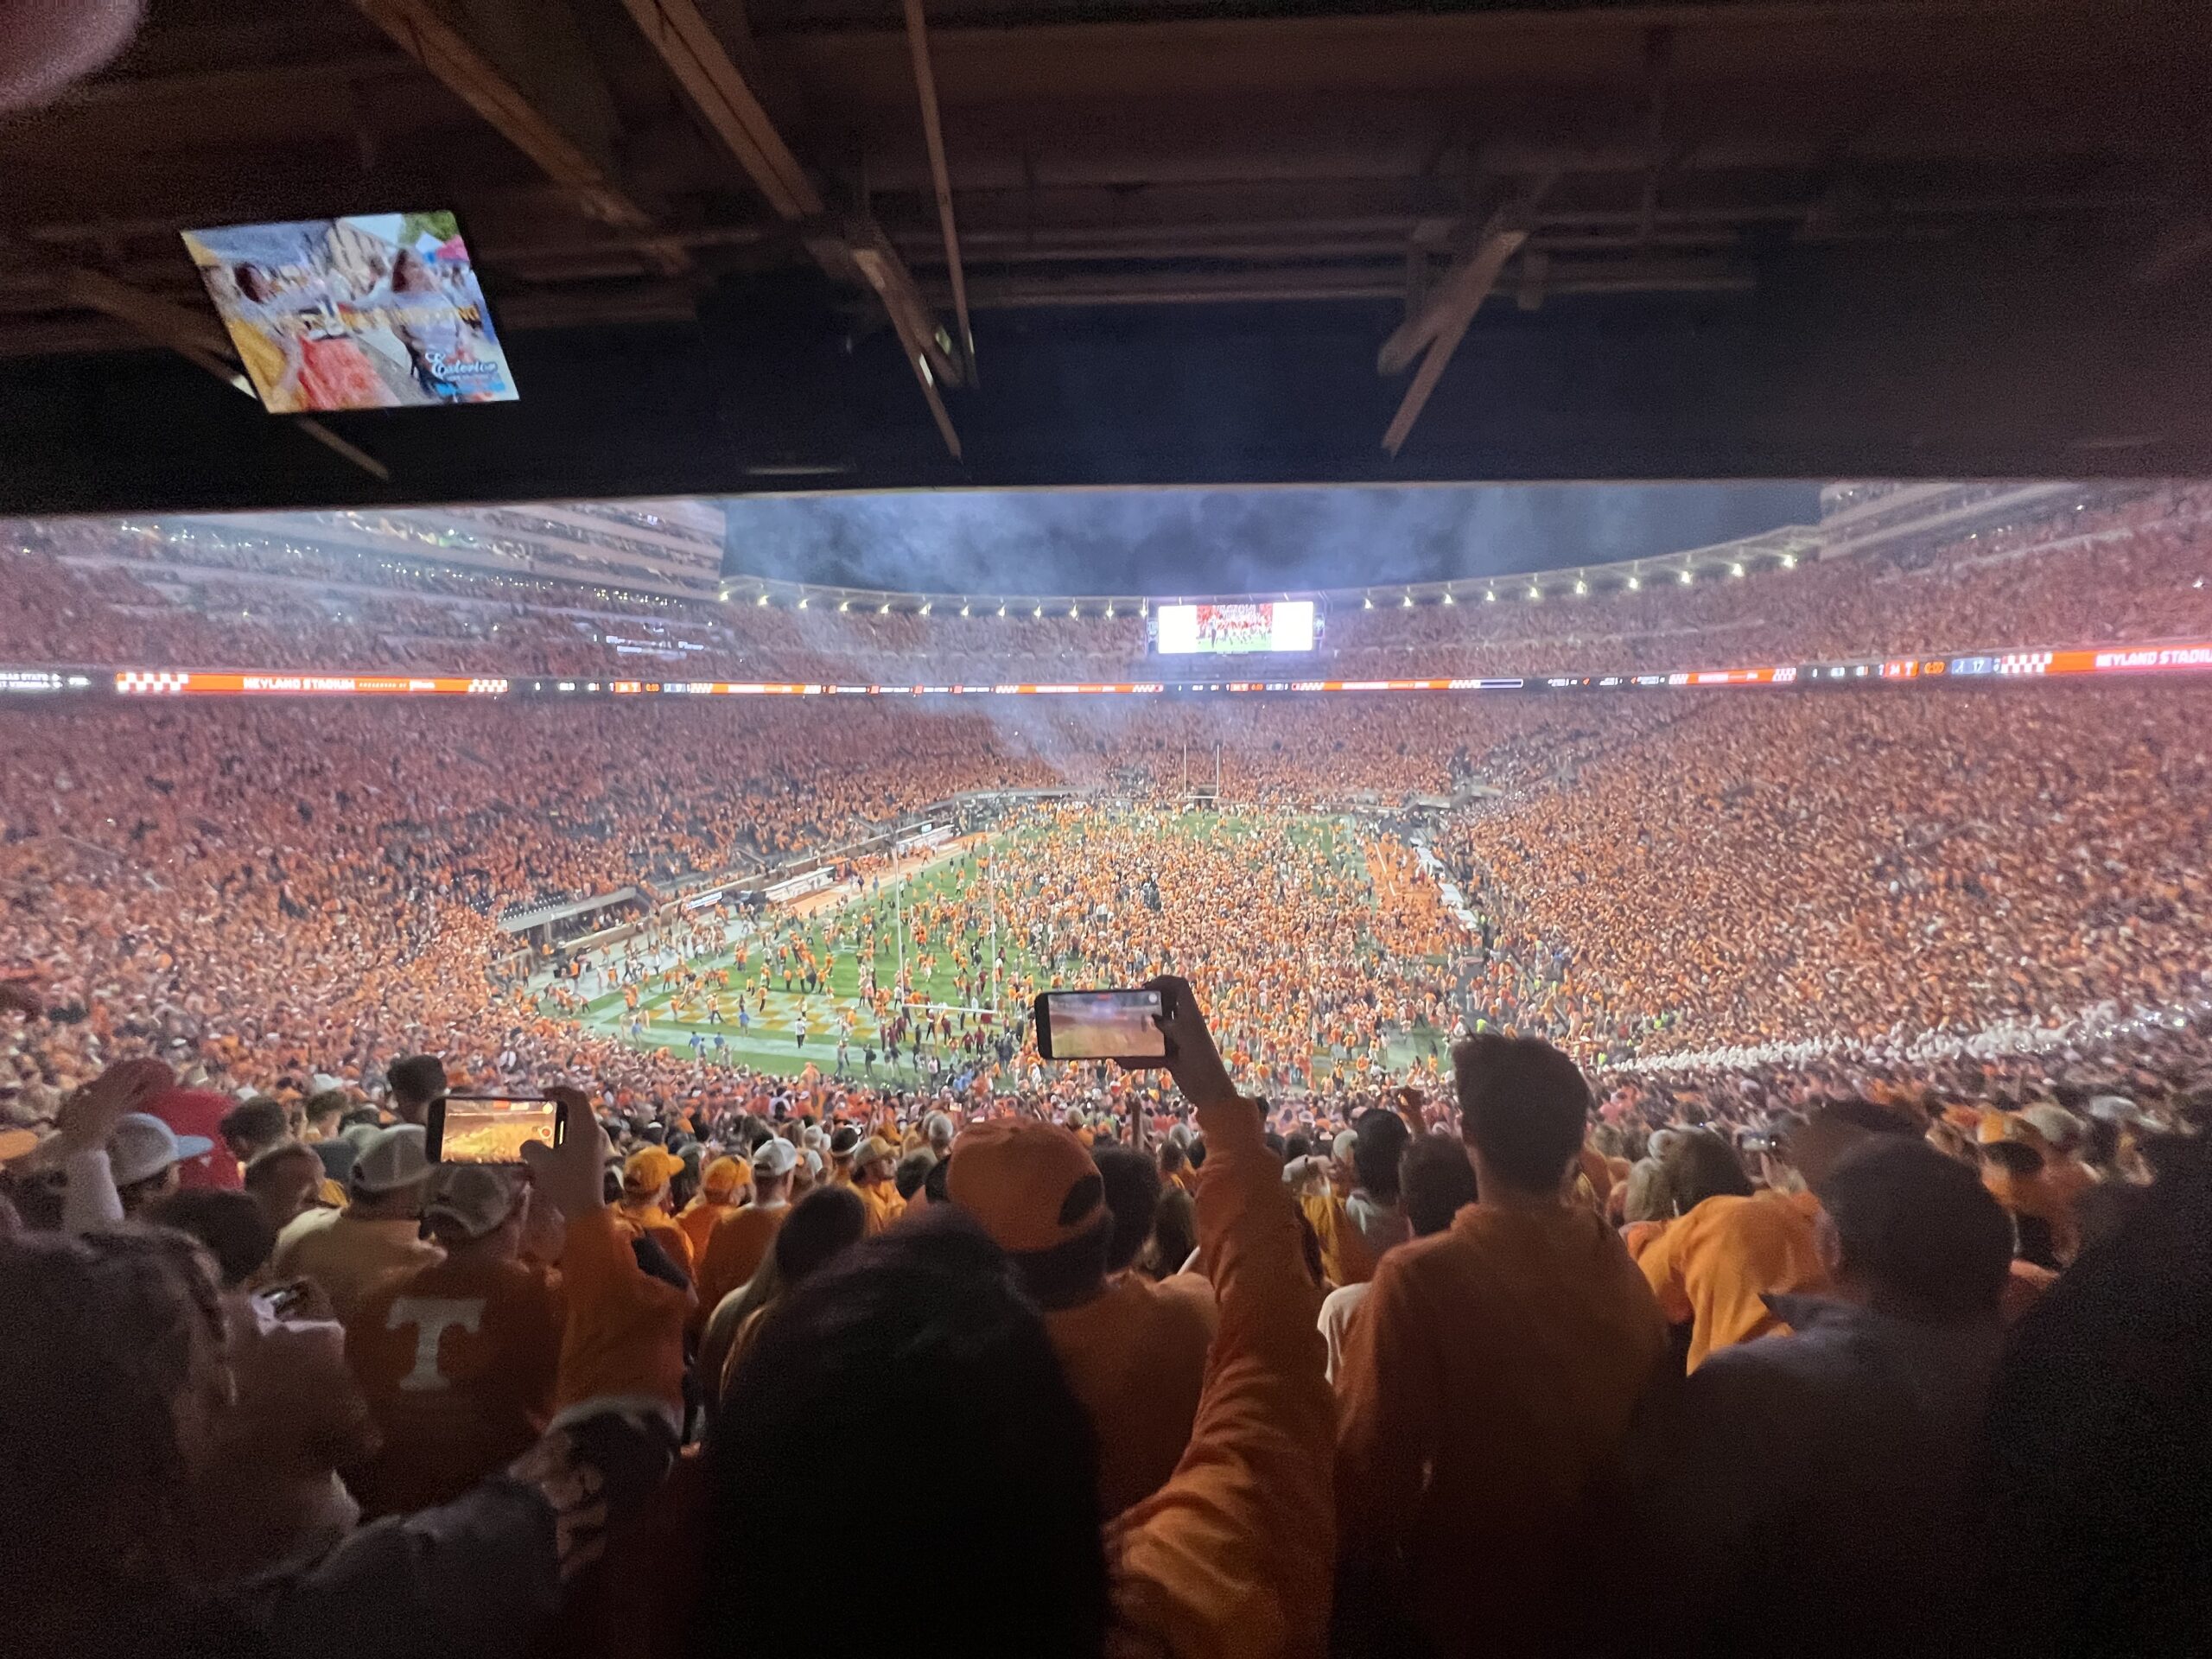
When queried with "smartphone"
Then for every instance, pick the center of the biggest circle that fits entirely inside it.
(1101, 1026)
(492, 1129)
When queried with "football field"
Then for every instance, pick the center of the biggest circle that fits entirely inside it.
(765, 1037)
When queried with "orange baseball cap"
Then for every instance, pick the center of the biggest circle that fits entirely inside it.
(1031, 1184)
(722, 1177)
(649, 1169)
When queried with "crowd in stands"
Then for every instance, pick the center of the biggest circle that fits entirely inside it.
(1730, 1283)
(2139, 568)
(1500, 1369)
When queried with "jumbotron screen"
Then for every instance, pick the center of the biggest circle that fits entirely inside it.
(1225, 630)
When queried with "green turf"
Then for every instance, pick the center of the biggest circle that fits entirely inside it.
(766, 1045)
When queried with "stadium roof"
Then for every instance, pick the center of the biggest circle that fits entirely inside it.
(733, 246)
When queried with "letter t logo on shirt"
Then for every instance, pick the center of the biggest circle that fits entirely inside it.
(432, 1317)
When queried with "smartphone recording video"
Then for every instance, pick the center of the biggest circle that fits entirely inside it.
(1100, 1025)
(491, 1129)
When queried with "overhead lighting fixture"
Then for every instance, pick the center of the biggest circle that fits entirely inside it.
(1685, 578)
(762, 600)
(1368, 604)
(802, 604)
(1735, 569)
(1580, 585)
(1001, 610)
(1489, 595)
(1448, 600)
(1040, 610)
(1535, 592)
(964, 610)
(1789, 561)
(1634, 583)
(1075, 610)
(1407, 603)
(925, 607)
(1144, 607)
(1110, 613)
(844, 604)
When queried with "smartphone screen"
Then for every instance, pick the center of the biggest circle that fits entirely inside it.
(1099, 1025)
(490, 1129)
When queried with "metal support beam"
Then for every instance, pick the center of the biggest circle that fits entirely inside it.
(917, 43)
(421, 28)
(197, 337)
(694, 55)
(1443, 323)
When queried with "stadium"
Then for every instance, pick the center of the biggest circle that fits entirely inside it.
(1105, 829)
(1475, 801)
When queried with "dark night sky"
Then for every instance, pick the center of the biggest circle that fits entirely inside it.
(1164, 542)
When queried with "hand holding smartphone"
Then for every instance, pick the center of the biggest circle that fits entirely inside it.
(1121, 1025)
(492, 1128)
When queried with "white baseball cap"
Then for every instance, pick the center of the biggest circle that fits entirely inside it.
(142, 1147)
(774, 1157)
(390, 1159)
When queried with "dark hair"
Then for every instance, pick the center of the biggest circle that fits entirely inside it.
(1132, 1193)
(926, 1327)
(933, 1184)
(1174, 1233)
(2014, 1157)
(913, 1169)
(1919, 1227)
(100, 1350)
(232, 1224)
(1437, 1179)
(827, 1220)
(1172, 1158)
(418, 1079)
(1700, 1165)
(1523, 1105)
(1380, 1141)
(324, 1103)
(259, 1122)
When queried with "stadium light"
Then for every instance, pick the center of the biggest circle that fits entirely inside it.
(1367, 604)
(1144, 607)
(844, 604)
(1535, 592)
(1634, 583)
(1685, 578)
(925, 607)
(1407, 603)
(1735, 569)
(802, 604)
(1040, 610)
(1110, 613)
(1580, 585)
(1075, 610)
(1789, 561)
(1001, 610)
(1489, 595)
(1448, 600)
(762, 600)
(964, 610)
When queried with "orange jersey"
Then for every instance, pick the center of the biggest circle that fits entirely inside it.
(457, 1360)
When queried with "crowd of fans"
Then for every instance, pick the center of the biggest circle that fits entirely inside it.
(2134, 569)
(1839, 1246)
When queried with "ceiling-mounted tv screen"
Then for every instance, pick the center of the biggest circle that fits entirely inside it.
(373, 311)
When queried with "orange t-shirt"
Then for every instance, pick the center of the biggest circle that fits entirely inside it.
(658, 1225)
(1136, 1358)
(458, 1362)
(884, 1205)
(698, 1221)
(1711, 1268)
(739, 1244)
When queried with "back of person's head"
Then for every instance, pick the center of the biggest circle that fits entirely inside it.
(253, 1126)
(1172, 1158)
(925, 1325)
(416, 1080)
(1918, 1230)
(912, 1170)
(1523, 1106)
(825, 1222)
(1436, 1179)
(1379, 1141)
(108, 1376)
(233, 1225)
(1648, 1196)
(1174, 1233)
(1132, 1193)
(324, 1107)
(1700, 1165)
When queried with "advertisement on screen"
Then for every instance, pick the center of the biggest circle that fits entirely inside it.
(1226, 630)
(377, 311)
